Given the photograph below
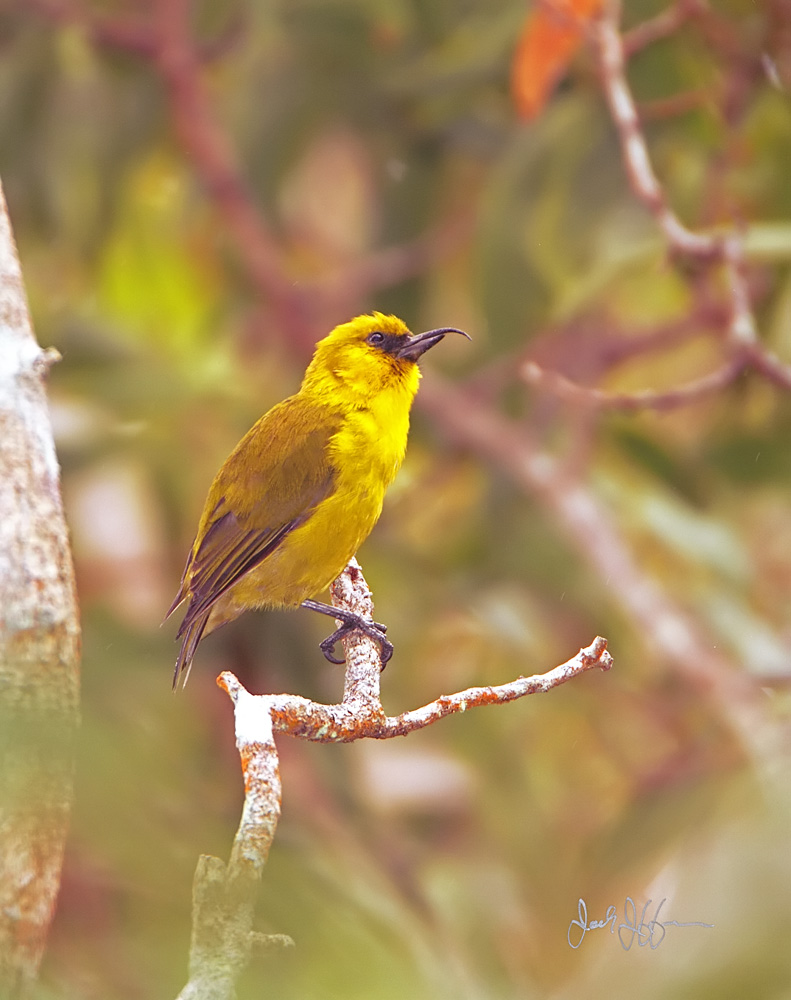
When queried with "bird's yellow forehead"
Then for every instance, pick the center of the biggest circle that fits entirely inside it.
(362, 326)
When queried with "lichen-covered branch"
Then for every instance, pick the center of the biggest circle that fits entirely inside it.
(39, 642)
(360, 714)
(341, 723)
(224, 896)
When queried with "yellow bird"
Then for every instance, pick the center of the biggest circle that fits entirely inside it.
(304, 487)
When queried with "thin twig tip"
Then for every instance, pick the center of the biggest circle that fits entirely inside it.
(230, 685)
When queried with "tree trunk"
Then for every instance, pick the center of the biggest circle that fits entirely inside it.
(39, 642)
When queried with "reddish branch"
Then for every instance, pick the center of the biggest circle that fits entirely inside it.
(609, 49)
(662, 26)
(722, 248)
(209, 150)
(675, 104)
(301, 307)
(682, 395)
(667, 629)
(725, 248)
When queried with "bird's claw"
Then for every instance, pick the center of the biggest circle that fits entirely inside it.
(374, 630)
(327, 646)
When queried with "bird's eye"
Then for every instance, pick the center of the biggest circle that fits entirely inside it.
(376, 338)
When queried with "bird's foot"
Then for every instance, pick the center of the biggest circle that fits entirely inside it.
(374, 630)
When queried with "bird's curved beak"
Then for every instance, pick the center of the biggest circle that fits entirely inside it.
(419, 343)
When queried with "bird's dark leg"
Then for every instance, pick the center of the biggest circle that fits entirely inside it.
(351, 621)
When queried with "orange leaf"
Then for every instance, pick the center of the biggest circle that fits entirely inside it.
(549, 40)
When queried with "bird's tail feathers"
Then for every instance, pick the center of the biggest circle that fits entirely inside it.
(178, 600)
(181, 595)
(189, 644)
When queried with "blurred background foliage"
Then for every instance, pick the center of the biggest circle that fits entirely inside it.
(448, 864)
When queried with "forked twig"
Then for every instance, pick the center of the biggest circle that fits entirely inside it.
(224, 896)
(720, 248)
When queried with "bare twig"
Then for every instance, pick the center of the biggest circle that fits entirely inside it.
(682, 395)
(669, 630)
(724, 248)
(769, 365)
(675, 104)
(609, 49)
(392, 265)
(664, 24)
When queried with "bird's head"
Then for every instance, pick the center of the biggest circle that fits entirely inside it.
(371, 353)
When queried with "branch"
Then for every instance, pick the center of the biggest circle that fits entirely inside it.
(127, 34)
(39, 642)
(303, 308)
(722, 248)
(360, 715)
(224, 897)
(664, 24)
(319, 723)
(667, 628)
(675, 104)
(682, 395)
(609, 49)
(165, 40)
(395, 264)
(211, 154)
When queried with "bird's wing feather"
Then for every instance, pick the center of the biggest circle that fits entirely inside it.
(284, 475)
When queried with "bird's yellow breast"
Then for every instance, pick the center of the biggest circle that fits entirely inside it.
(365, 454)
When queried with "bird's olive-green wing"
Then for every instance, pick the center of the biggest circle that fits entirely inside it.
(271, 484)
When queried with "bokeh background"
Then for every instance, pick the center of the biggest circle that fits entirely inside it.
(193, 212)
